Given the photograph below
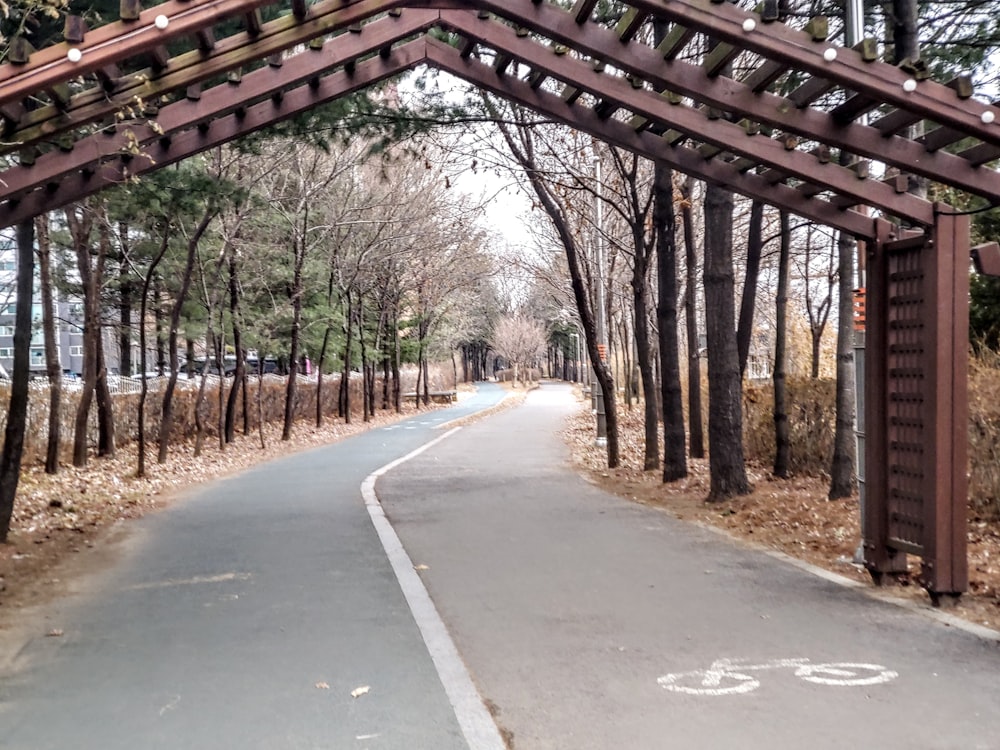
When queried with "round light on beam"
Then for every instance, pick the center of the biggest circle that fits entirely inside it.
(749, 25)
(74, 55)
(987, 117)
(909, 85)
(829, 54)
(161, 22)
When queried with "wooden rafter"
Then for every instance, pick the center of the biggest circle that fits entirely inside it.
(781, 142)
(163, 152)
(216, 102)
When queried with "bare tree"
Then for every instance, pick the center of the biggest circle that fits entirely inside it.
(17, 410)
(521, 341)
(727, 468)
(782, 454)
(53, 369)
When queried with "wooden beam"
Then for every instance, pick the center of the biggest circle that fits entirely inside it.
(203, 106)
(615, 92)
(648, 144)
(104, 45)
(766, 108)
(189, 68)
(164, 152)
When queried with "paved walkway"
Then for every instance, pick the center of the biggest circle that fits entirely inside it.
(246, 616)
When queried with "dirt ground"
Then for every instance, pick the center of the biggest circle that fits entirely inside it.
(70, 524)
(792, 516)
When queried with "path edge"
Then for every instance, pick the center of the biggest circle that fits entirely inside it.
(474, 719)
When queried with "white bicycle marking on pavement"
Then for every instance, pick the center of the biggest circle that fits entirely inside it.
(732, 676)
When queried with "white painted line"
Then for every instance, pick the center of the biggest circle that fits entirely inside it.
(474, 719)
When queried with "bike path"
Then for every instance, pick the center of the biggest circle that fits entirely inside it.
(244, 617)
(570, 605)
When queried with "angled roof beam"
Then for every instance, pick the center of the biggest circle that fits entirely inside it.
(192, 67)
(164, 152)
(719, 134)
(647, 144)
(731, 96)
(933, 101)
(104, 45)
(215, 102)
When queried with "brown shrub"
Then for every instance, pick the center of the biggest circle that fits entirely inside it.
(811, 419)
(984, 434)
(183, 425)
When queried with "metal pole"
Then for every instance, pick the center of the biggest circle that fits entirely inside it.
(602, 333)
(853, 33)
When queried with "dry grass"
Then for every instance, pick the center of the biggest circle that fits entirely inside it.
(984, 434)
(811, 409)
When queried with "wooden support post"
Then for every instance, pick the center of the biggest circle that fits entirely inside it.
(945, 566)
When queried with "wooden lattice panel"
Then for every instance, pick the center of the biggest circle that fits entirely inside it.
(916, 405)
(907, 396)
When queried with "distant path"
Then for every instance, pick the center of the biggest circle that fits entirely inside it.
(595, 624)
(244, 617)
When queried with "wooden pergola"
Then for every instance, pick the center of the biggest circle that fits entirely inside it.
(167, 82)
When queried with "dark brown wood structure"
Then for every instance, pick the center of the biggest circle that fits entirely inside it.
(175, 79)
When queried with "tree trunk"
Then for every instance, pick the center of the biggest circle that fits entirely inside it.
(127, 294)
(17, 410)
(320, 364)
(105, 405)
(199, 419)
(239, 377)
(293, 370)
(53, 368)
(80, 229)
(725, 419)
(366, 413)
(344, 400)
(167, 409)
(695, 430)
(147, 282)
(842, 466)
(905, 45)
(161, 351)
(744, 330)
(671, 396)
(782, 441)
(397, 357)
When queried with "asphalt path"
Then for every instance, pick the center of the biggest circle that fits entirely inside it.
(582, 617)
(245, 617)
